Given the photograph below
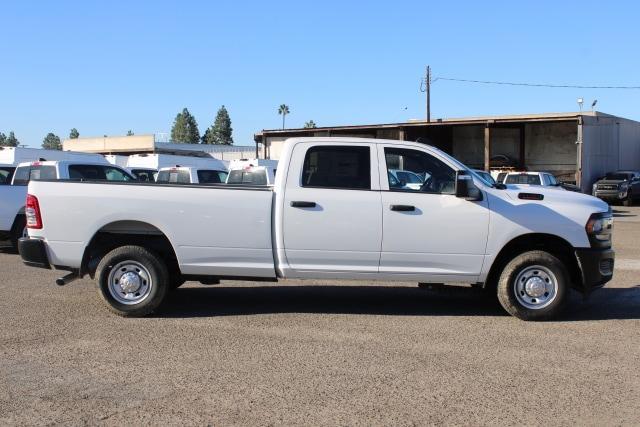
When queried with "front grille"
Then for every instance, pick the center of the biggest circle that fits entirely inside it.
(607, 187)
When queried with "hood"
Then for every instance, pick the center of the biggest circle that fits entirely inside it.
(557, 198)
(612, 181)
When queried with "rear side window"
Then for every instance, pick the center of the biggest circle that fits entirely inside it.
(5, 175)
(24, 174)
(174, 177)
(347, 168)
(523, 179)
(248, 178)
(211, 177)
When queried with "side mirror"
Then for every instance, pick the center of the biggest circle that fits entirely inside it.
(465, 188)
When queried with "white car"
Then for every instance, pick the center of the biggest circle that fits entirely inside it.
(146, 166)
(191, 175)
(332, 214)
(544, 179)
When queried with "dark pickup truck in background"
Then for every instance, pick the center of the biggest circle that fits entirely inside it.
(621, 186)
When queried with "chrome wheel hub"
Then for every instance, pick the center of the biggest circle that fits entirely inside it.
(129, 282)
(535, 287)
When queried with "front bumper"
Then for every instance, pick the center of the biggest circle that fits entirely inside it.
(33, 252)
(610, 194)
(596, 266)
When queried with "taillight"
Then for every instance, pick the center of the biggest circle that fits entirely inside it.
(32, 212)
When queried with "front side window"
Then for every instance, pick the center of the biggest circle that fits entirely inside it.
(347, 168)
(413, 170)
(114, 174)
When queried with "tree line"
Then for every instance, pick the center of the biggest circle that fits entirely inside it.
(184, 130)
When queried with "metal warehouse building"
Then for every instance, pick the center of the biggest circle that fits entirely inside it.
(576, 147)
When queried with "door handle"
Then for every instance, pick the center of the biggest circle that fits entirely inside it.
(299, 204)
(402, 208)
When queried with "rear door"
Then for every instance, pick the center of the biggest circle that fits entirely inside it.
(429, 233)
(332, 220)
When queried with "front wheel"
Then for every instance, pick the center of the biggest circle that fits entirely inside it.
(132, 280)
(628, 201)
(534, 286)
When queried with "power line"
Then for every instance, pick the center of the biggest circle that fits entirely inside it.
(533, 84)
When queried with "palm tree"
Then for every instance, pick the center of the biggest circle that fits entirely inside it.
(284, 110)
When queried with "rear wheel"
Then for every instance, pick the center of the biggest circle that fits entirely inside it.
(132, 280)
(534, 286)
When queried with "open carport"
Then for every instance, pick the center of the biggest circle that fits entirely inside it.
(576, 147)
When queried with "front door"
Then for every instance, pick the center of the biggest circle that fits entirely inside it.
(429, 233)
(332, 219)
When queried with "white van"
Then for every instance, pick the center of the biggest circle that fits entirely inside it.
(191, 175)
(146, 166)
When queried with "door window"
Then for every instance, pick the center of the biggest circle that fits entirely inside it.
(413, 170)
(114, 174)
(347, 168)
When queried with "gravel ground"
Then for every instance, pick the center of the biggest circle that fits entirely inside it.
(318, 353)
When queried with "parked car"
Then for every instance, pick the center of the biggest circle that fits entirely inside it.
(621, 186)
(243, 163)
(532, 178)
(12, 197)
(146, 166)
(406, 179)
(191, 175)
(324, 219)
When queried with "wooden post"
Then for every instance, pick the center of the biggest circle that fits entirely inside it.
(487, 147)
(522, 148)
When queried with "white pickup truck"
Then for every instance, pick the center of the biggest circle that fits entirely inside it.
(330, 215)
(12, 197)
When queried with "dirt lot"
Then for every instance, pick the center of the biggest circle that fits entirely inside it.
(318, 353)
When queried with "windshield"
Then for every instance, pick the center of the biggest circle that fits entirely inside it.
(523, 179)
(211, 177)
(617, 176)
(247, 177)
(26, 173)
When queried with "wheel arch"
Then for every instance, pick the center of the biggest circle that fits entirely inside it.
(128, 232)
(555, 245)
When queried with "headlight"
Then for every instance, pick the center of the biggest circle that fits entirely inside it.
(599, 229)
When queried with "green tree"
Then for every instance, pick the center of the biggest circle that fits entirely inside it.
(51, 142)
(221, 130)
(12, 141)
(284, 110)
(3, 139)
(310, 125)
(185, 128)
(129, 132)
(74, 134)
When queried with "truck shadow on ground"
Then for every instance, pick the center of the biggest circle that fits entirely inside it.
(617, 213)
(604, 304)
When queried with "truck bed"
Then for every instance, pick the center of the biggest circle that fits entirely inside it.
(214, 229)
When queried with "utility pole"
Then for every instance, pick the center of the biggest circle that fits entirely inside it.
(428, 91)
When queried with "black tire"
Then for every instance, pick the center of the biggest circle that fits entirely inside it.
(523, 263)
(158, 284)
(17, 230)
(629, 200)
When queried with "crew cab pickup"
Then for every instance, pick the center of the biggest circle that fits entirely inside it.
(330, 215)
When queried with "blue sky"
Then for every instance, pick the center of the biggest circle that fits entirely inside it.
(106, 67)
